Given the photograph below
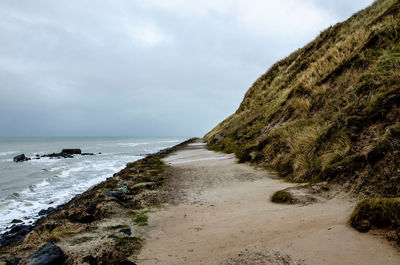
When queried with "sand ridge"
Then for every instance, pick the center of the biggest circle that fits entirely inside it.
(220, 213)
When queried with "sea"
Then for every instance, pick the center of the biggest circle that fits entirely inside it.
(30, 186)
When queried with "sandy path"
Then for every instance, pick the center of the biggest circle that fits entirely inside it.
(221, 214)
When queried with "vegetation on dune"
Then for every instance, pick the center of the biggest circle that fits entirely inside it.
(283, 196)
(379, 213)
(329, 111)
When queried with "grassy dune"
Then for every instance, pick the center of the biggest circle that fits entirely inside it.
(330, 110)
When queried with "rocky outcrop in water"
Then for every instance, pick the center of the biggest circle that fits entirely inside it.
(65, 153)
(21, 158)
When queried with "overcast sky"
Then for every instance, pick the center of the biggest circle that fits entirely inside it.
(143, 67)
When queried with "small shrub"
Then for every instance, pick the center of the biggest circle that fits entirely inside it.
(283, 196)
(379, 213)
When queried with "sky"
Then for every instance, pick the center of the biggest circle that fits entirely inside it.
(143, 67)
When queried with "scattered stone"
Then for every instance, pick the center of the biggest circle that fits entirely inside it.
(16, 221)
(126, 231)
(117, 196)
(48, 254)
(16, 234)
(21, 158)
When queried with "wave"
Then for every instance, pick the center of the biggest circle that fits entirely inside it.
(7, 153)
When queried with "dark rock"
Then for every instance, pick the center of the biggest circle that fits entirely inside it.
(16, 221)
(112, 236)
(49, 211)
(126, 231)
(21, 158)
(115, 196)
(68, 153)
(71, 151)
(16, 234)
(126, 262)
(58, 155)
(87, 219)
(48, 254)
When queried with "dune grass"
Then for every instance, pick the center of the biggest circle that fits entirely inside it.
(324, 112)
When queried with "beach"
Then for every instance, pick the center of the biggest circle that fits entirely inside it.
(189, 205)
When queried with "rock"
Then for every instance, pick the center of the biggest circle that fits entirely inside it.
(16, 221)
(122, 187)
(48, 254)
(21, 158)
(16, 234)
(68, 153)
(126, 262)
(126, 231)
(116, 196)
(49, 211)
(58, 155)
(71, 151)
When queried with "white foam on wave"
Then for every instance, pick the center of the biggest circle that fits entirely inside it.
(55, 190)
(131, 144)
(7, 153)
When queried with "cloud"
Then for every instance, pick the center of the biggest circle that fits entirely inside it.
(130, 67)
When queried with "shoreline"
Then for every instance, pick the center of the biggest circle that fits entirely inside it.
(112, 189)
(177, 201)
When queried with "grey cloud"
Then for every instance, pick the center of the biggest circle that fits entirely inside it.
(130, 68)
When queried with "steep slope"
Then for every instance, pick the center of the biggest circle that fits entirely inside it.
(329, 111)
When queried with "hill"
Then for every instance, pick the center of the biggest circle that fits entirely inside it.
(330, 110)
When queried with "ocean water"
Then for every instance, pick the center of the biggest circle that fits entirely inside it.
(28, 187)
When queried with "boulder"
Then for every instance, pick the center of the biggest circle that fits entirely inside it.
(71, 151)
(126, 231)
(16, 234)
(21, 158)
(48, 254)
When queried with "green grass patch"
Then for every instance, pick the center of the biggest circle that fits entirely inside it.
(126, 239)
(141, 218)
